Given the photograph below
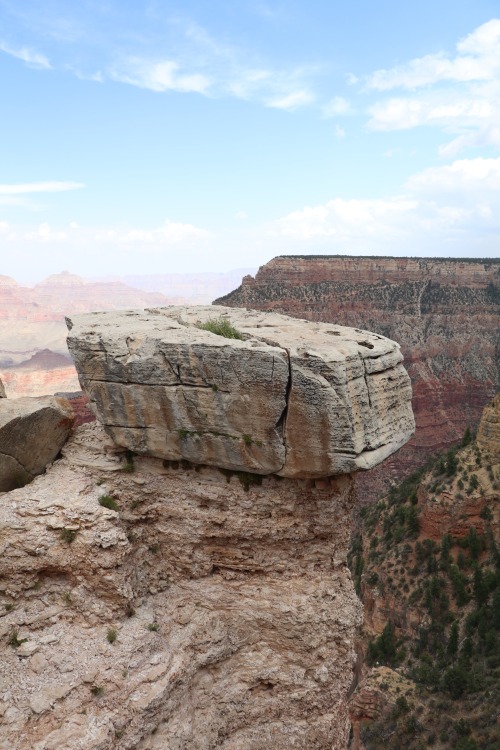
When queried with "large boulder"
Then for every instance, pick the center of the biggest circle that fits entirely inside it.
(32, 432)
(289, 397)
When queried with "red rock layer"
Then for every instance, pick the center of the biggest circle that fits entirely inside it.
(444, 313)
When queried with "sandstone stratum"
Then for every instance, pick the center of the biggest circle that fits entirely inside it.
(181, 582)
(287, 397)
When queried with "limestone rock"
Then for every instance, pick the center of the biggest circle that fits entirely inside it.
(294, 398)
(2, 390)
(32, 432)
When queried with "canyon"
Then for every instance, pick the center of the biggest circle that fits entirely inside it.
(34, 359)
(445, 314)
(426, 562)
(151, 601)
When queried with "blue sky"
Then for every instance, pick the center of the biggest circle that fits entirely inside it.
(165, 137)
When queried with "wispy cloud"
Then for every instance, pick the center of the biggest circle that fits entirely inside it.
(477, 59)
(30, 57)
(291, 101)
(160, 76)
(39, 187)
(460, 93)
(336, 106)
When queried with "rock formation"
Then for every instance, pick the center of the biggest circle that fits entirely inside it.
(444, 313)
(2, 390)
(148, 602)
(288, 397)
(488, 434)
(172, 607)
(32, 432)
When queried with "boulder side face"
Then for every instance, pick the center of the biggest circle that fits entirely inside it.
(289, 397)
(32, 432)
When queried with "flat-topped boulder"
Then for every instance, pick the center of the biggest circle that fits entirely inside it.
(288, 397)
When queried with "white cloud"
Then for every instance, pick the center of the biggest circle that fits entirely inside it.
(45, 234)
(469, 176)
(241, 215)
(478, 59)
(336, 106)
(339, 132)
(291, 101)
(160, 76)
(39, 187)
(454, 209)
(459, 94)
(31, 58)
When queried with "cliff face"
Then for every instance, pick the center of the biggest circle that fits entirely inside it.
(171, 606)
(445, 314)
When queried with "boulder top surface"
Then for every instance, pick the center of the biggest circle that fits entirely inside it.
(291, 397)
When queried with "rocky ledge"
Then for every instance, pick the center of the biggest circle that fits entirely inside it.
(285, 396)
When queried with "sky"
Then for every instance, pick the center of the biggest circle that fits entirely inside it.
(167, 137)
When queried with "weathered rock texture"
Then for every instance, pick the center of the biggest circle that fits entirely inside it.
(444, 313)
(488, 434)
(233, 611)
(32, 432)
(2, 390)
(293, 398)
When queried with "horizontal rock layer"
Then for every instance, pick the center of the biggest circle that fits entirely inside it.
(294, 398)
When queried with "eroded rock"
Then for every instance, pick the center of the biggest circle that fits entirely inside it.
(32, 432)
(233, 609)
(294, 398)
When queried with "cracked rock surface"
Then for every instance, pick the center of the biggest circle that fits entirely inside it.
(293, 398)
(32, 432)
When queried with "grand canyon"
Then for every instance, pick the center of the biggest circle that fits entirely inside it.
(445, 313)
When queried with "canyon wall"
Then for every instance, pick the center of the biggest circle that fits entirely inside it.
(444, 313)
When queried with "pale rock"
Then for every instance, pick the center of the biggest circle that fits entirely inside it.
(2, 390)
(294, 398)
(37, 663)
(32, 432)
(28, 648)
(255, 646)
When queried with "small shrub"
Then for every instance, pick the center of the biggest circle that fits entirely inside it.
(129, 610)
(221, 327)
(14, 641)
(68, 535)
(96, 690)
(153, 627)
(108, 502)
(111, 635)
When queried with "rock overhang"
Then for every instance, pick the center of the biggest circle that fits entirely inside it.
(291, 397)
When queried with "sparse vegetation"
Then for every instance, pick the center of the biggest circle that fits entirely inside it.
(97, 690)
(451, 587)
(111, 635)
(221, 327)
(153, 627)
(108, 502)
(68, 535)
